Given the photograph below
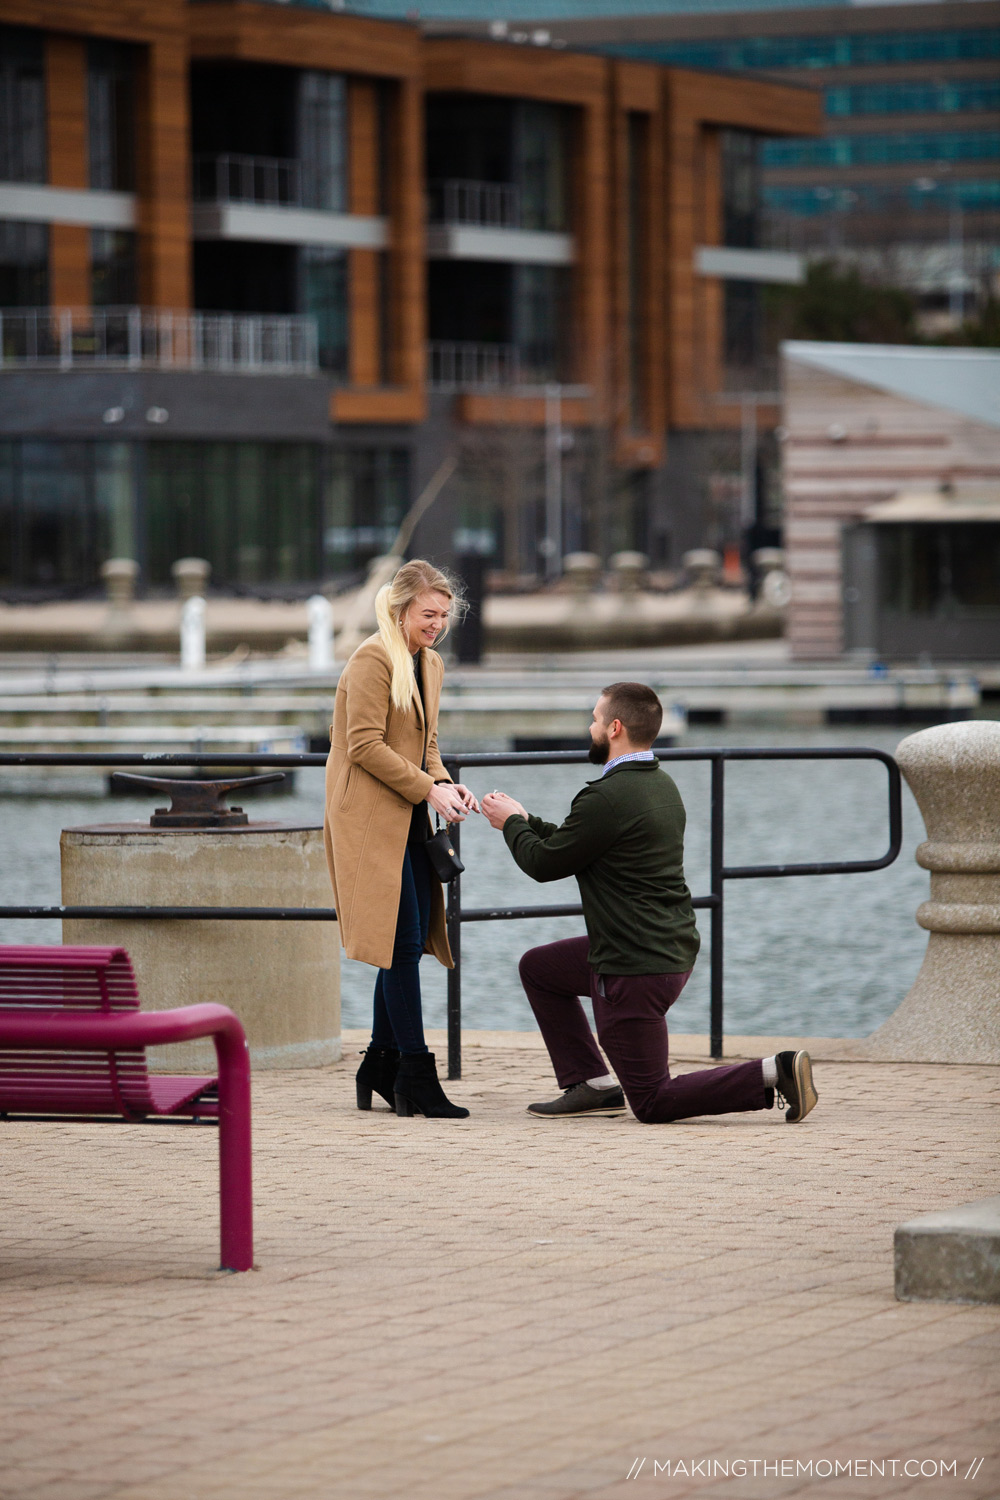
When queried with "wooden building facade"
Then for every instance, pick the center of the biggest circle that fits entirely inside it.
(312, 253)
(892, 487)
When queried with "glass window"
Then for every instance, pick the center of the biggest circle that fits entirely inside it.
(970, 193)
(57, 541)
(742, 318)
(946, 570)
(64, 509)
(111, 115)
(974, 44)
(915, 96)
(251, 509)
(8, 473)
(540, 296)
(883, 150)
(740, 188)
(322, 142)
(22, 106)
(324, 297)
(113, 273)
(540, 165)
(366, 498)
(24, 265)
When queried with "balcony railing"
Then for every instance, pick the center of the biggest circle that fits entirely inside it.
(487, 205)
(472, 367)
(140, 338)
(269, 181)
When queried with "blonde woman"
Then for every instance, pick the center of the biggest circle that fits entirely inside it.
(383, 776)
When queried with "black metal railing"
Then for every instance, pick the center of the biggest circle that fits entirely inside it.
(719, 871)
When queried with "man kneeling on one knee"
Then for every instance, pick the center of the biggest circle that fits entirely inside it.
(624, 842)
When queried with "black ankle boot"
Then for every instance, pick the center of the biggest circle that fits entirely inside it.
(419, 1092)
(377, 1072)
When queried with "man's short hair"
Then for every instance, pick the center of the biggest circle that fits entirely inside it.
(637, 707)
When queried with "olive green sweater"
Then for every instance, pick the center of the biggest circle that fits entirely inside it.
(624, 842)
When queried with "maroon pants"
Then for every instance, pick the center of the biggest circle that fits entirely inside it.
(630, 1012)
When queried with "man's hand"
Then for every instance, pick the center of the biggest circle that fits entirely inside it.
(498, 807)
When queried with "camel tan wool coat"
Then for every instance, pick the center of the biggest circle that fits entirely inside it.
(373, 779)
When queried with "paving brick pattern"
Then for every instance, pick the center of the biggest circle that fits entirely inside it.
(502, 1308)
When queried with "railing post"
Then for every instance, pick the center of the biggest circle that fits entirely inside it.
(717, 884)
(65, 339)
(453, 919)
(134, 337)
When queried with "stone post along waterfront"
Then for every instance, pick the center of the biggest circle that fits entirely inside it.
(952, 1012)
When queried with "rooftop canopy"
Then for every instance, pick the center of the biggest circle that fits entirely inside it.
(962, 380)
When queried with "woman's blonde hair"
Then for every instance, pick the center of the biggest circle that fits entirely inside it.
(391, 603)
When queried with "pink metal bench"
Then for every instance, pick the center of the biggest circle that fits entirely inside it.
(72, 1042)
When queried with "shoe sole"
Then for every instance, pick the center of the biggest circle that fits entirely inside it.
(575, 1114)
(802, 1073)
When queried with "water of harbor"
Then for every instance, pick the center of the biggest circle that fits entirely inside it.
(827, 955)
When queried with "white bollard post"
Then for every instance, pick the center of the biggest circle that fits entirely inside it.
(320, 612)
(193, 634)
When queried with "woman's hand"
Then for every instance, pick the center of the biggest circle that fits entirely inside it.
(468, 800)
(446, 799)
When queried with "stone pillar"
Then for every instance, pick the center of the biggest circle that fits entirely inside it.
(281, 978)
(119, 574)
(582, 571)
(191, 575)
(702, 565)
(952, 1013)
(629, 569)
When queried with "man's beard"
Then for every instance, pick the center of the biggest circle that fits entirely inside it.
(599, 751)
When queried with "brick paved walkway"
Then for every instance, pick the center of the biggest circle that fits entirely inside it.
(501, 1308)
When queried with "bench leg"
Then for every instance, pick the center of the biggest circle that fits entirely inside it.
(235, 1163)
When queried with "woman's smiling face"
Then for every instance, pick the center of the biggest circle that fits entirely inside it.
(425, 619)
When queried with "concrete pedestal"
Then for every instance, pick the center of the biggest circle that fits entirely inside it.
(950, 1256)
(281, 978)
(952, 1012)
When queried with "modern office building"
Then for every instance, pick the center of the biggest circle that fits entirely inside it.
(904, 181)
(265, 268)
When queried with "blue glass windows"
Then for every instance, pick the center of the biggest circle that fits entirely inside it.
(883, 150)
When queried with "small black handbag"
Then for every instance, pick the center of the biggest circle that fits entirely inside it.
(441, 852)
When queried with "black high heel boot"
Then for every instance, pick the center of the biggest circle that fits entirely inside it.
(419, 1092)
(377, 1072)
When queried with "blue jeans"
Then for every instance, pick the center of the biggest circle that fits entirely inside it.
(398, 1019)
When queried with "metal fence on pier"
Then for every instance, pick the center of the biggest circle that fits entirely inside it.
(713, 901)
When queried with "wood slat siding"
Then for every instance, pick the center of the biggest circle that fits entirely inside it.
(301, 38)
(891, 443)
(120, 20)
(364, 319)
(164, 176)
(459, 65)
(696, 107)
(638, 443)
(404, 398)
(66, 130)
